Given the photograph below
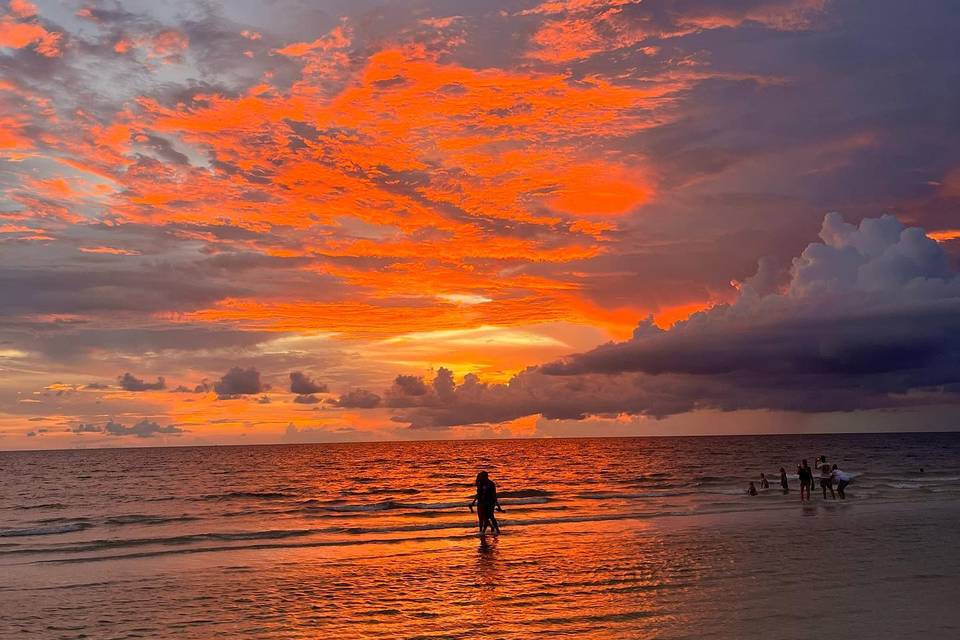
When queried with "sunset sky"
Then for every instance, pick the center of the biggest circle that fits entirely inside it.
(294, 221)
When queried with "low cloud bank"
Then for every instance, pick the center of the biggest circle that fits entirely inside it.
(143, 429)
(869, 317)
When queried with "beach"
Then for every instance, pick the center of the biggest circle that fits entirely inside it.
(604, 538)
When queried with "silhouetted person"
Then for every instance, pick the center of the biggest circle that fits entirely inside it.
(783, 481)
(482, 517)
(826, 477)
(842, 479)
(806, 478)
(751, 490)
(764, 484)
(486, 501)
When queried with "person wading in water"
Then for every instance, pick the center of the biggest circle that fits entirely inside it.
(486, 502)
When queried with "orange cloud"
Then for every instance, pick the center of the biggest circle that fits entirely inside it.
(454, 179)
(22, 8)
(169, 44)
(579, 29)
(17, 35)
(52, 187)
(11, 134)
(338, 38)
(946, 235)
(666, 318)
(597, 189)
(109, 251)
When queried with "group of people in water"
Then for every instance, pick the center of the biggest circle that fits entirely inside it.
(829, 475)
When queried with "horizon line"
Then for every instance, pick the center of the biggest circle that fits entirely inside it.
(511, 439)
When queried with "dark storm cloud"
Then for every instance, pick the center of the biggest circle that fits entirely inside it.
(300, 383)
(239, 382)
(129, 382)
(867, 318)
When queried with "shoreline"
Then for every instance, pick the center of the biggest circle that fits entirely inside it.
(547, 527)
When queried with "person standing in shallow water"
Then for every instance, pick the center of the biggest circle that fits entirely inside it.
(806, 478)
(826, 477)
(764, 483)
(486, 502)
(783, 481)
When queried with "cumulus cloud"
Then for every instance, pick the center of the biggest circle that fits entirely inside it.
(864, 301)
(406, 391)
(358, 399)
(129, 382)
(306, 399)
(302, 384)
(869, 317)
(88, 428)
(239, 382)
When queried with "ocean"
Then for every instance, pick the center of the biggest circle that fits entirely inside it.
(602, 538)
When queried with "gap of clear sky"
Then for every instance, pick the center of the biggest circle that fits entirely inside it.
(297, 221)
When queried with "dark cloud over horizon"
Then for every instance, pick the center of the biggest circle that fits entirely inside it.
(302, 384)
(239, 382)
(867, 318)
(129, 382)
(142, 429)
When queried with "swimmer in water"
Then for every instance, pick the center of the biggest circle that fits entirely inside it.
(752, 490)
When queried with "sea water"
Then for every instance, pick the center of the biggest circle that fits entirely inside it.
(624, 537)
